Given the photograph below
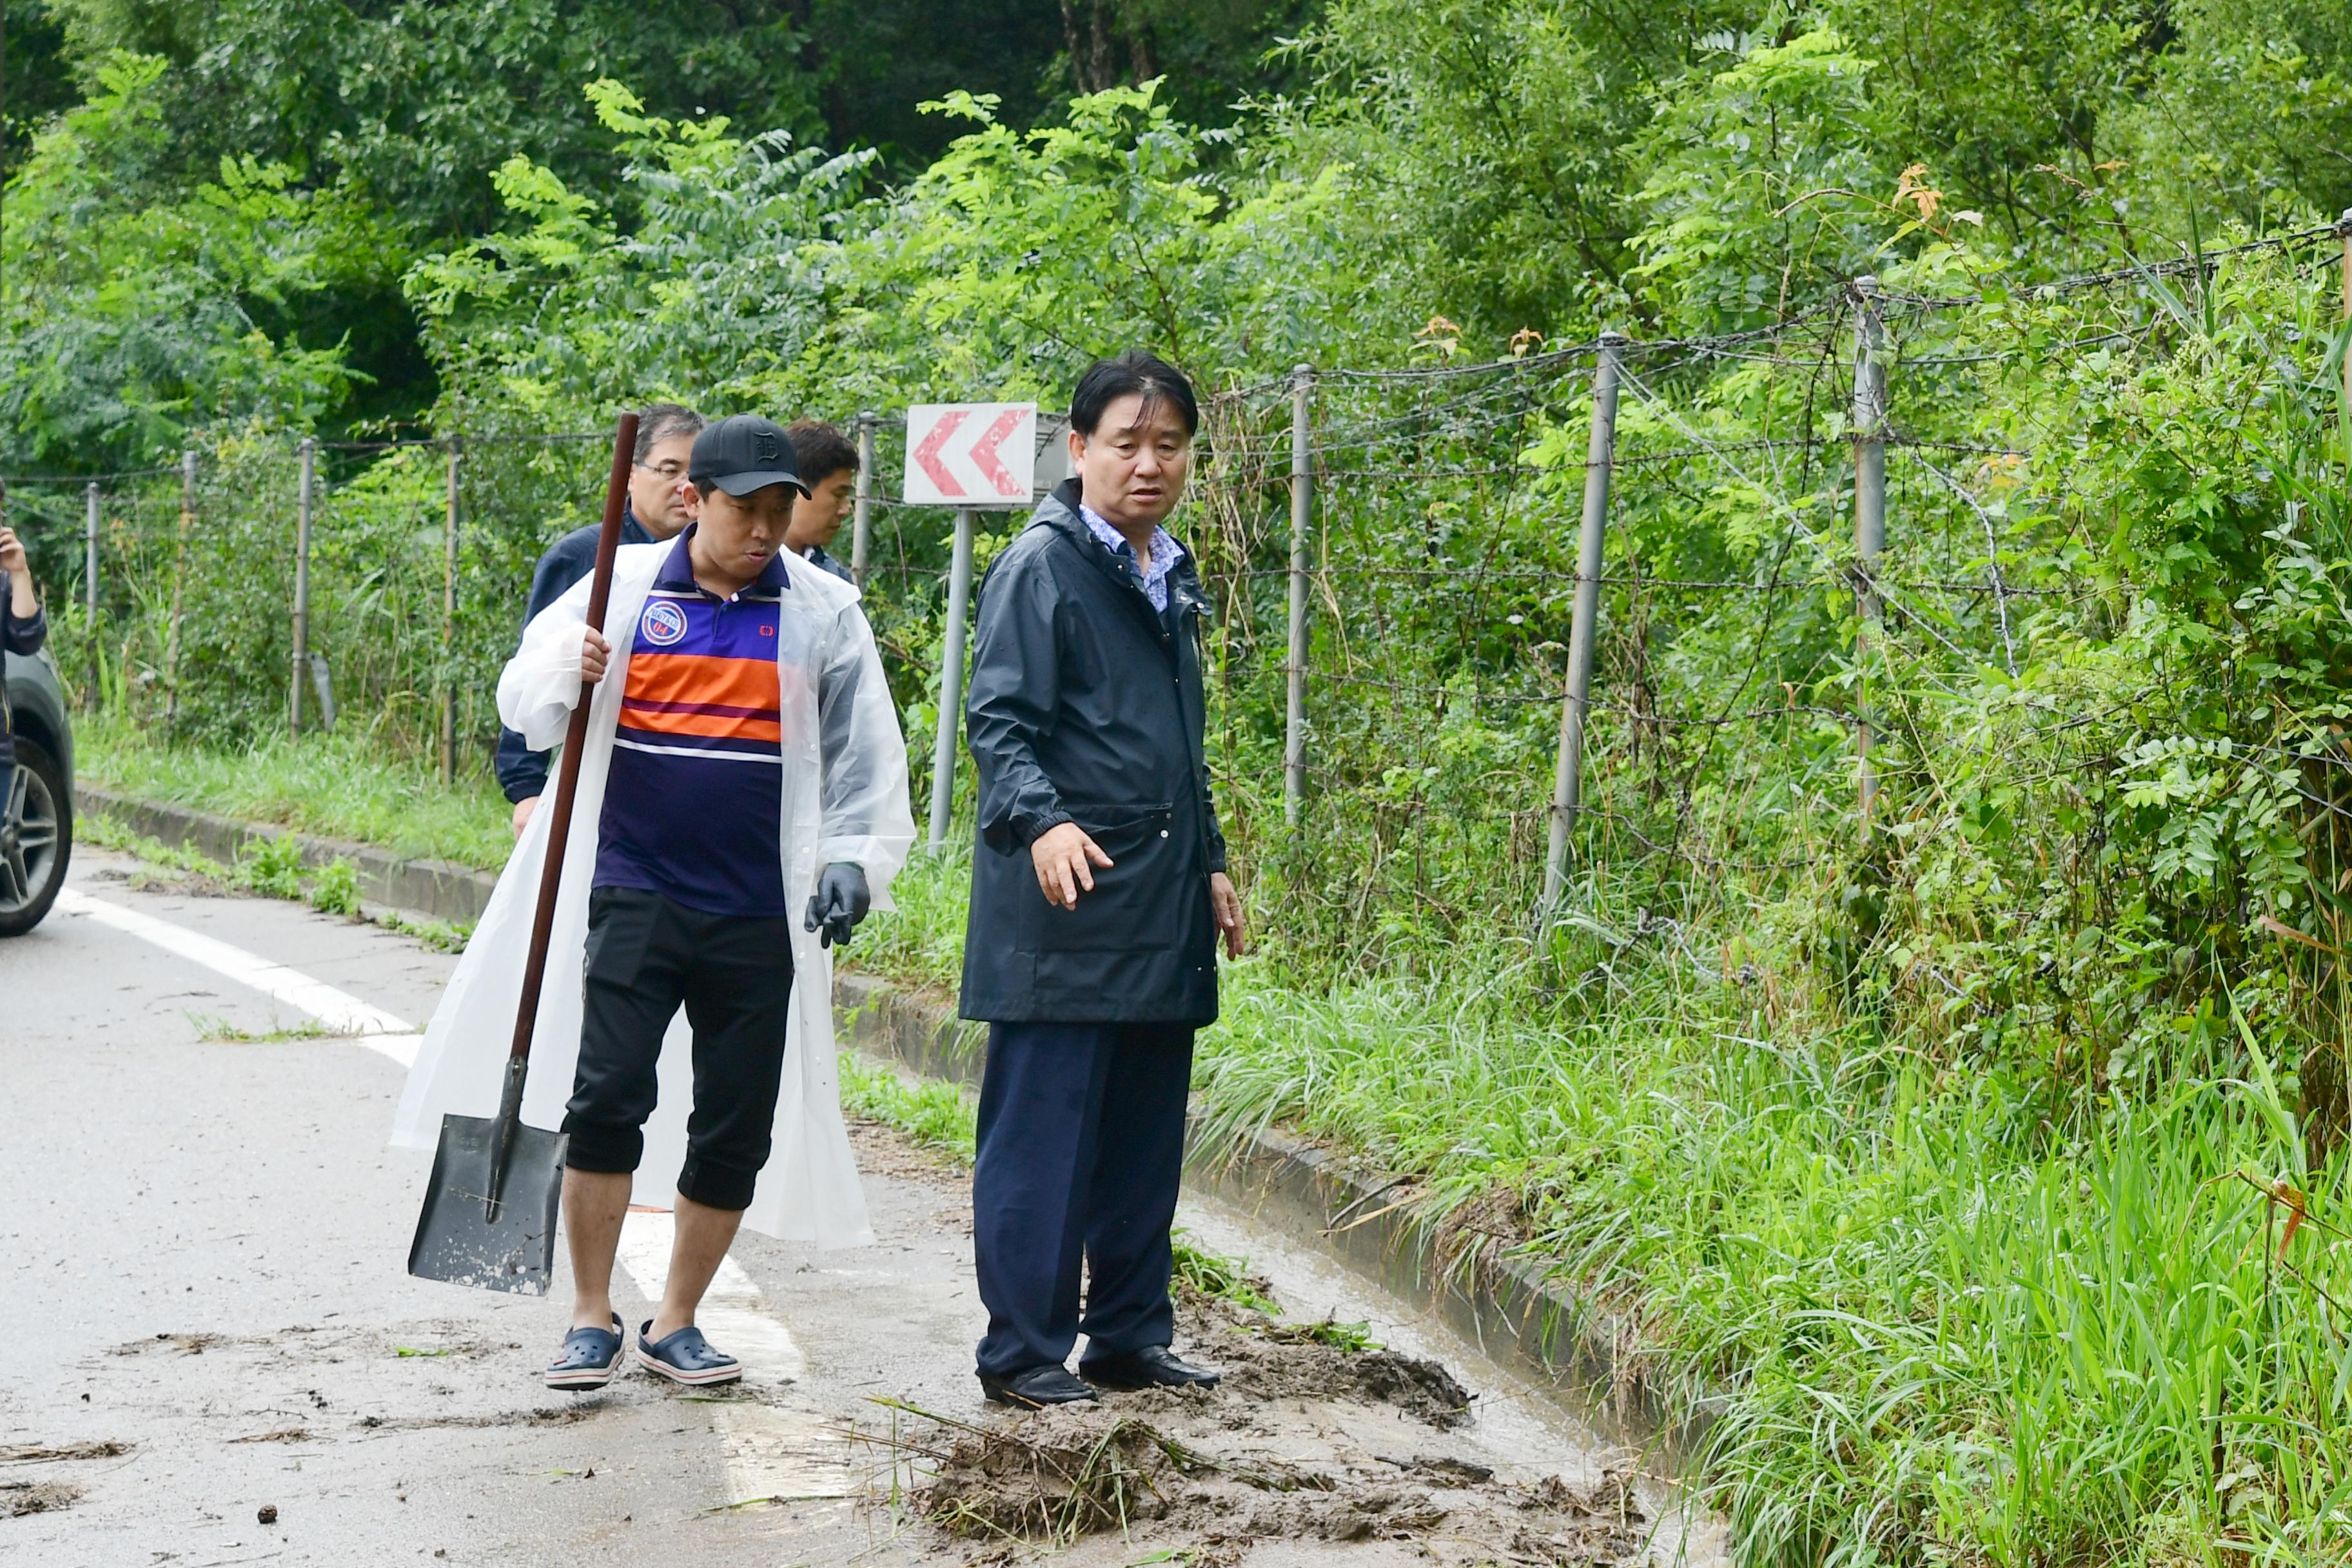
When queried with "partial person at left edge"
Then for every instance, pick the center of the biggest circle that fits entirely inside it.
(656, 511)
(36, 751)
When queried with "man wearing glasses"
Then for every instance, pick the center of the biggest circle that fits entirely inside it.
(654, 513)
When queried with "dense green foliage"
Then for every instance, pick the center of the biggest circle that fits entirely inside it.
(1911, 1146)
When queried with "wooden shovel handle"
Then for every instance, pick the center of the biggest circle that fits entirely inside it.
(575, 740)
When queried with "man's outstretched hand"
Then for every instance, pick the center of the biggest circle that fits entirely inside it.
(1066, 859)
(841, 901)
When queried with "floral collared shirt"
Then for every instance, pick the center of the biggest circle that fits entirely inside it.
(1165, 553)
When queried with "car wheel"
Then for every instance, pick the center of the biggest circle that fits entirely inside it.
(36, 838)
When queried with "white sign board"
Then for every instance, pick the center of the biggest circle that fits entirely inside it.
(971, 454)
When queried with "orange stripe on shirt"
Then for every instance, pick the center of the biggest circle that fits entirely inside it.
(709, 726)
(673, 694)
(703, 678)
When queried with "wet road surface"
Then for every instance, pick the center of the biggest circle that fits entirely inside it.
(202, 1239)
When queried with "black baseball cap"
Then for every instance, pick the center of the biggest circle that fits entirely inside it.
(744, 453)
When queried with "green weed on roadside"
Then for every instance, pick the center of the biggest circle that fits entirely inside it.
(270, 868)
(935, 1115)
(213, 1029)
(441, 936)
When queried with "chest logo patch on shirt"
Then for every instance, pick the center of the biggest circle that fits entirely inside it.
(662, 624)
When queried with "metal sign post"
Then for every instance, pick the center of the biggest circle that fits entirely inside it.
(861, 525)
(967, 455)
(943, 748)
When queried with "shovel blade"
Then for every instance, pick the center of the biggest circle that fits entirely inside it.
(461, 1238)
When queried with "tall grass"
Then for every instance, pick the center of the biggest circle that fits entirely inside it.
(1938, 1320)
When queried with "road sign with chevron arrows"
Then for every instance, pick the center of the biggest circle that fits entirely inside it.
(971, 454)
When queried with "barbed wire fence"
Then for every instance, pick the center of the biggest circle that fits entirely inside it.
(1466, 657)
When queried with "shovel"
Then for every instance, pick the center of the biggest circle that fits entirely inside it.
(489, 1211)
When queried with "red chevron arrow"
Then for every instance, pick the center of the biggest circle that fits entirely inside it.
(927, 454)
(984, 450)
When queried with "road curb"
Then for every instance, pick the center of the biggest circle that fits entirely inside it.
(1590, 1356)
(437, 889)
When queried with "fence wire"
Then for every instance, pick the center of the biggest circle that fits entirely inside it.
(1737, 668)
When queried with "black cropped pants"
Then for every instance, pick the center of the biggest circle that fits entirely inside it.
(648, 955)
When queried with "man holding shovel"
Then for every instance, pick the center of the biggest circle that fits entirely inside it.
(1099, 889)
(747, 779)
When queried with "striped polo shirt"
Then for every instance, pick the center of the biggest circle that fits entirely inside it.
(695, 798)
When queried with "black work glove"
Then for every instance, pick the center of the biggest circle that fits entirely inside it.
(841, 901)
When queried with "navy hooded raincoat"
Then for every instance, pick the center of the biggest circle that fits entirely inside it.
(1087, 707)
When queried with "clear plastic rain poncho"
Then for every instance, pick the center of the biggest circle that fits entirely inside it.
(844, 799)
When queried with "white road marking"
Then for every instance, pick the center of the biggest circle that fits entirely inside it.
(367, 1024)
(792, 1456)
(400, 1048)
(771, 1451)
(732, 1313)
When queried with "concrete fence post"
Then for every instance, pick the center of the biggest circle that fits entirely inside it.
(943, 750)
(90, 555)
(861, 522)
(1302, 520)
(179, 588)
(1592, 556)
(307, 483)
(449, 621)
(1869, 512)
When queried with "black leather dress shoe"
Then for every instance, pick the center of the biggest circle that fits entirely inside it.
(1040, 1386)
(1155, 1366)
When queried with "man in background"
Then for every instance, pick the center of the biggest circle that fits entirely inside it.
(829, 469)
(655, 510)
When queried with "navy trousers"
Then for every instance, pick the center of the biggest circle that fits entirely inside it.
(1081, 1151)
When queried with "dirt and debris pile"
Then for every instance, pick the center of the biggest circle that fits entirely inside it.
(1599, 1523)
(33, 1453)
(18, 1498)
(1056, 1475)
(1315, 1441)
(1262, 1358)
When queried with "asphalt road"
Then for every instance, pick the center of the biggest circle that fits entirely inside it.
(202, 1237)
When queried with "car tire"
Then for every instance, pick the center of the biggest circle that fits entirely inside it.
(36, 838)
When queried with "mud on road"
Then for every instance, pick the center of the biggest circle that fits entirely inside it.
(1307, 1453)
(206, 1223)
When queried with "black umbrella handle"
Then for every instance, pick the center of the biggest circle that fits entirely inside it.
(575, 741)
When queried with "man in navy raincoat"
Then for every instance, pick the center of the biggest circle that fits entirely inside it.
(1099, 894)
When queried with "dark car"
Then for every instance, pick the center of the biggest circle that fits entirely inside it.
(37, 827)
